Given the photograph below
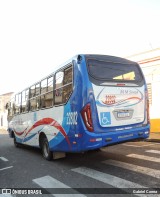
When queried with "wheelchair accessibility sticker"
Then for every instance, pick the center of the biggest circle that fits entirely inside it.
(105, 118)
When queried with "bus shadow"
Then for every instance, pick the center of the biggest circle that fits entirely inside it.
(31, 149)
(71, 158)
(87, 157)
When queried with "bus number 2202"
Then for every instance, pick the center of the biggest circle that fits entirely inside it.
(72, 118)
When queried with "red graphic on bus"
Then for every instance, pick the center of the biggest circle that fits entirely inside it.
(110, 99)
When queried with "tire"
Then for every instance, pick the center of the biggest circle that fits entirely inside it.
(16, 144)
(47, 154)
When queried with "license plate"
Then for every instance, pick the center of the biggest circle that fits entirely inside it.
(123, 114)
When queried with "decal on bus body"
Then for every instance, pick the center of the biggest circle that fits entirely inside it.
(119, 106)
(49, 125)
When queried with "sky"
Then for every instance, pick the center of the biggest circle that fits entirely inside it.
(36, 36)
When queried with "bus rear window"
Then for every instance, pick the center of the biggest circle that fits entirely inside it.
(114, 71)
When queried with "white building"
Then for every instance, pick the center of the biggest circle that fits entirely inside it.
(4, 98)
(150, 64)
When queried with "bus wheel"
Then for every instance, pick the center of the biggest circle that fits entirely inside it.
(15, 142)
(47, 154)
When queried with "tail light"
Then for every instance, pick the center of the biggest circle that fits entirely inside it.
(87, 117)
(147, 107)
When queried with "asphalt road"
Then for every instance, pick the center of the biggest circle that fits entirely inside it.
(131, 165)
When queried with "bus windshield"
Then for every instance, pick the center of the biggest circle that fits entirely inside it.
(114, 71)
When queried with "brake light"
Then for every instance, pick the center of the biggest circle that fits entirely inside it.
(87, 117)
(121, 84)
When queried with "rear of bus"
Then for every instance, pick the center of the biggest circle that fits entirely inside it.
(115, 101)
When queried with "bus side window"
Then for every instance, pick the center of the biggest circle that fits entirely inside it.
(66, 92)
(27, 100)
(49, 94)
(10, 109)
(17, 104)
(32, 91)
(43, 92)
(59, 77)
(44, 86)
(34, 101)
(46, 98)
(68, 75)
(37, 96)
(27, 108)
(20, 102)
(33, 105)
(63, 85)
(23, 101)
(43, 101)
(14, 109)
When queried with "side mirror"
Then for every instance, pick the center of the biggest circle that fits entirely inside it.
(79, 59)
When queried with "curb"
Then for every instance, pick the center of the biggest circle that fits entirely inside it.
(153, 140)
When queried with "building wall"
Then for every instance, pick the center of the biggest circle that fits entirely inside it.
(4, 99)
(150, 64)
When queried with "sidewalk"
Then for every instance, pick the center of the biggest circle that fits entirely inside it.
(3, 131)
(154, 137)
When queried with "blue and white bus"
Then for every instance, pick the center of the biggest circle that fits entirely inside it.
(90, 102)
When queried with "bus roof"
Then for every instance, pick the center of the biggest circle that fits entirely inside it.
(101, 57)
(109, 58)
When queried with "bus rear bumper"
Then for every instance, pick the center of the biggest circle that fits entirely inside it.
(93, 141)
(127, 135)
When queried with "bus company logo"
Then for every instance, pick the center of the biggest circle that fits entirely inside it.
(110, 99)
(129, 91)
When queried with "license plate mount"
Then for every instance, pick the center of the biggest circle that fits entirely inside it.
(123, 115)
